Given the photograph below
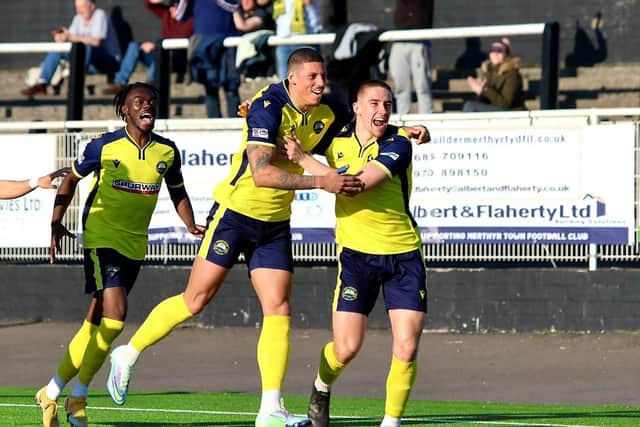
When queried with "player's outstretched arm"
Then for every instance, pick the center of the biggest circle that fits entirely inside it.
(419, 133)
(14, 189)
(265, 174)
(63, 198)
(295, 154)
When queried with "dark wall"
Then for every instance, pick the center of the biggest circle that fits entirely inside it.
(461, 300)
(32, 20)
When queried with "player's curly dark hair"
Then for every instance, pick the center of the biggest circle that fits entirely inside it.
(121, 96)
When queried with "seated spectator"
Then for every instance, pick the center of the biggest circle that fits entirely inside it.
(254, 57)
(251, 17)
(92, 27)
(499, 85)
(293, 17)
(136, 52)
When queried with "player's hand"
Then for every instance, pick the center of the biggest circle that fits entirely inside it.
(243, 109)
(197, 230)
(346, 185)
(58, 231)
(419, 133)
(293, 148)
(47, 180)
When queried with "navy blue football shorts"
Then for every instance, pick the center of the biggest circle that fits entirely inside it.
(402, 277)
(108, 268)
(264, 244)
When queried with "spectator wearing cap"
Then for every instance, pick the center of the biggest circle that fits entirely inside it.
(498, 86)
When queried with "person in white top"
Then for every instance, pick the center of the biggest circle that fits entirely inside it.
(92, 27)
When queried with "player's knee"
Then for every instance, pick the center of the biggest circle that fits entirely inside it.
(197, 304)
(346, 352)
(405, 351)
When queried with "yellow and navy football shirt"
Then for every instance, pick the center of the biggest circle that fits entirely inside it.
(124, 190)
(272, 115)
(377, 221)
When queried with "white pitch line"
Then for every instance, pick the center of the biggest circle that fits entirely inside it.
(342, 417)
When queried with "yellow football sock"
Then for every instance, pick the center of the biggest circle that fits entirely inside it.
(70, 363)
(399, 384)
(273, 351)
(160, 322)
(98, 347)
(330, 367)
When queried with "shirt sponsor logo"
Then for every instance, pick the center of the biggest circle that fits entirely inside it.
(349, 293)
(260, 133)
(135, 187)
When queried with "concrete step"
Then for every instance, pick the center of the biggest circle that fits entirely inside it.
(603, 86)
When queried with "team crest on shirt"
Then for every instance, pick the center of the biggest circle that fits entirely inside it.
(349, 293)
(318, 126)
(161, 167)
(220, 247)
(111, 270)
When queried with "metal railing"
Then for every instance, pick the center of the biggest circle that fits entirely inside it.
(549, 56)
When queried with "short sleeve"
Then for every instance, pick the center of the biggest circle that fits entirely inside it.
(89, 160)
(173, 177)
(395, 153)
(263, 121)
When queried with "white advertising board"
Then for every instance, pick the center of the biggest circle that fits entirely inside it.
(26, 221)
(484, 185)
(573, 185)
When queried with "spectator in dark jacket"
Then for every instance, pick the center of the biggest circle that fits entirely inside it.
(499, 84)
(212, 23)
(136, 52)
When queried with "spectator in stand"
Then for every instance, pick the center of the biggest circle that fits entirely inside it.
(252, 17)
(293, 17)
(92, 27)
(211, 63)
(499, 84)
(172, 28)
(254, 57)
(410, 61)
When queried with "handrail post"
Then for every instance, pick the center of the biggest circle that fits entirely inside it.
(162, 79)
(75, 101)
(549, 84)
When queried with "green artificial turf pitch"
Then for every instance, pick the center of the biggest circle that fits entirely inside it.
(152, 409)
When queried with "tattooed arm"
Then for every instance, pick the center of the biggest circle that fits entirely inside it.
(265, 174)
